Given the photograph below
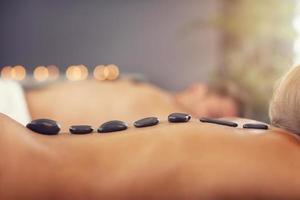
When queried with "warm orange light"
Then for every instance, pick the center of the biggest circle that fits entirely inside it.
(84, 72)
(18, 72)
(113, 72)
(6, 72)
(101, 72)
(41, 73)
(53, 72)
(77, 72)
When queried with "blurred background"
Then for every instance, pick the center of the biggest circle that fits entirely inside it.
(173, 43)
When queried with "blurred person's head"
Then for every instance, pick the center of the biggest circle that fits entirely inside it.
(285, 105)
(217, 100)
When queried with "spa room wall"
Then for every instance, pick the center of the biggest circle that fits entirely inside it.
(162, 39)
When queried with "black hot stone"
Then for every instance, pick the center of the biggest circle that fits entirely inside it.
(149, 121)
(81, 129)
(112, 126)
(218, 121)
(179, 117)
(44, 126)
(256, 126)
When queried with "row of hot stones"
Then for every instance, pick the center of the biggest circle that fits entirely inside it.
(51, 127)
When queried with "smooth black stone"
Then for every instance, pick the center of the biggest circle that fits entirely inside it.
(256, 126)
(149, 121)
(112, 126)
(81, 129)
(44, 126)
(179, 117)
(218, 121)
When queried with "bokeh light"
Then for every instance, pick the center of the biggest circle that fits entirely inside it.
(113, 72)
(77, 72)
(100, 73)
(109, 72)
(53, 72)
(18, 73)
(296, 23)
(41, 73)
(84, 72)
(6, 72)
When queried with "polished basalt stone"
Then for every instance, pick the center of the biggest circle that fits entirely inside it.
(44, 126)
(255, 126)
(112, 126)
(81, 129)
(179, 117)
(149, 121)
(218, 121)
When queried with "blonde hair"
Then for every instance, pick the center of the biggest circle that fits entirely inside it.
(284, 107)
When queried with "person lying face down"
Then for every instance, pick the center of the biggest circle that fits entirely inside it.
(190, 160)
(214, 100)
(284, 108)
(90, 102)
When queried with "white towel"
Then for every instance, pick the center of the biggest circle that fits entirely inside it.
(13, 101)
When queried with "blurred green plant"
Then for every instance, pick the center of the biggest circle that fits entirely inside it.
(257, 48)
